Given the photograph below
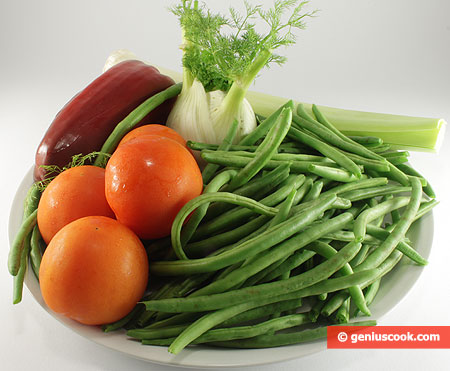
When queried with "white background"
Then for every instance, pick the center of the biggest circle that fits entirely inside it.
(385, 56)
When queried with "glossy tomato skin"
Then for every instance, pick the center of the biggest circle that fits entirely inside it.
(153, 129)
(75, 193)
(94, 271)
(147, 182)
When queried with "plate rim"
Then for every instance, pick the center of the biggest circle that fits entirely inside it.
(188, 358)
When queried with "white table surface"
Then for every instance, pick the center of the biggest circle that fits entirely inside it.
(384, 56)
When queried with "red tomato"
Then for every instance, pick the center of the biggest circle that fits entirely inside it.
(94, 271)
(154, 129)
(73, 194)
(148, 180)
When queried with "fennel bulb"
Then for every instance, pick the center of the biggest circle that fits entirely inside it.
(225, 55)
(203, 117)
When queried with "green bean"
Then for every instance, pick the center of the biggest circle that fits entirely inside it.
(35, 250)
(287, 148)
(334, 303)
(367, 163)
(326, 150)
(294, 261)
(303, 190)
(361, 255)
(262, 129)
(372, 290)
(346, 143)
(226, 334)
(343, 313)
(266, 183)
(20, 249)
(177, 288)
(408, 170)
(288, 144)
(348, 236)
(339, 203)
(394, 174)
(282, 339)
(396, 154)
(31, 200)
(232, 160)
(303, 283)
(249, 315)
(259, 276)
(214, 318)
(314, 192)
(374, 202)
(261, 221)
(133, 118)
(216, 241)
(22, 269)
(279, 156)
(284, 276)
(295, 147)
(359, 184)
(207, 322)
(391, 242)
(283, 148)
(249, 331)
(284, 209)
(376, 236)
(323, 296)
(339, 175)
(199, 146)
(425, 207)
(321, 118)
(355, 291)
(314, 312)
(277, 253)
(254, 188)
(373, 213)
(214, 186)
(270, 237)
(166, 291)
(17, 247)
(138, 309)
(395, 160)
(402, 246)
(206, 198)
(357, 208)
(156, 333)
(235, 217)
(386, 266)
(381, 149)
(395, 216)
(265, 150)
(367, 141)
(176, 319)
(358, 195)
(263, 311)
(210, 169)
(370, 293)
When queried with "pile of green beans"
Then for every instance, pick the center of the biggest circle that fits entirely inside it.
(27, 246)
(295, 230)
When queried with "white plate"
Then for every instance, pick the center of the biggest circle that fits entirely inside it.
(394, 288)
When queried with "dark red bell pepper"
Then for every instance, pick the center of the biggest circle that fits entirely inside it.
(85, 122)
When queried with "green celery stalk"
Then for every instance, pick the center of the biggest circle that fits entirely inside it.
(402, 132)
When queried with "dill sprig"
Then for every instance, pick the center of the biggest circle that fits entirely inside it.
(52, 171)
(219, 49)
